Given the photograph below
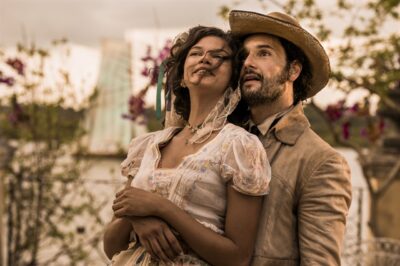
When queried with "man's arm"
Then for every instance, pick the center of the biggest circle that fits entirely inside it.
(323, 206)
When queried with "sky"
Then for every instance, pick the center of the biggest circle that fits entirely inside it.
(88, 21)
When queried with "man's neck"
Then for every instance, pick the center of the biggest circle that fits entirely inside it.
(261, 112)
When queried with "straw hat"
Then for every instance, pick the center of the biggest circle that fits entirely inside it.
(244, 23)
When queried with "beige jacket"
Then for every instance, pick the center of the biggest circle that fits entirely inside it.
(304, 216)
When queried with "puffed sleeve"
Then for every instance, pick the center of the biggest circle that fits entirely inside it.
(245, 163)
(137, 147)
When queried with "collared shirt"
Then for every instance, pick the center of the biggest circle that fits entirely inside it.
(265, 126)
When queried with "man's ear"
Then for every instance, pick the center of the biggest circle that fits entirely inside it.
(295, 70)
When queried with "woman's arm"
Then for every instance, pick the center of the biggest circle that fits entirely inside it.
(116, 236)
(153, 233)
(157, 238)
(236, 246)
(233, 248)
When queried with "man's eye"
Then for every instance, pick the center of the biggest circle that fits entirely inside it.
(263, 53)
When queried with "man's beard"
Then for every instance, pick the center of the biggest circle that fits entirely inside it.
(269, 91)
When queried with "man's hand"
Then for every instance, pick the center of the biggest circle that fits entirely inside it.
(157, 238)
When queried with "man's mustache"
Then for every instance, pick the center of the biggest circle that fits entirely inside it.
(250, 74)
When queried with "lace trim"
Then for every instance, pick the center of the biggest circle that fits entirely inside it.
(212, 227)
(216, 119)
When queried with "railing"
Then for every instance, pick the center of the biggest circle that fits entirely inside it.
(372, 252)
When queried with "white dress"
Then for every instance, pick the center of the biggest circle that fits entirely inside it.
(198, 185)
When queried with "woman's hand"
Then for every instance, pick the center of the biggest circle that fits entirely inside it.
(136, 202)
(157, 238)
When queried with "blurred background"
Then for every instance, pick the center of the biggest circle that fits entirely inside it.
(77, 82)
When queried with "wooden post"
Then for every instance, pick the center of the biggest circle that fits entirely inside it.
(1, 215)
(5, 156)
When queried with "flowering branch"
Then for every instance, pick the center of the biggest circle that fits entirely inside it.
(150, 71)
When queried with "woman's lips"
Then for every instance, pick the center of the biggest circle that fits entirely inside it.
(203, 71)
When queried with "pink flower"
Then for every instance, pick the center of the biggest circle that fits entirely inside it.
(136, 107)
(17, 65)
(164, 53)
(364, 133)
(148, 55)
(9, 81)
(145, 72)
(154, 75)
(17, 114)
(382, 125)
(354, 108)
(346, 130)
(334, 111)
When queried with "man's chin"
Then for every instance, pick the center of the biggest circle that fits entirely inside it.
(250, 86)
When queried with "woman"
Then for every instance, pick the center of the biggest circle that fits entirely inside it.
(204, 179)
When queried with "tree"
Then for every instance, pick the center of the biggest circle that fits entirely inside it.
(367, 58)
(45, 196)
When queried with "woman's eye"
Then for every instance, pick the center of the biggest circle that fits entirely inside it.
(194, 54)
(218, 56)
(221, 57)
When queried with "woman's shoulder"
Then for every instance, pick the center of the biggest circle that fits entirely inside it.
(238, 136)
(245, 162)
(143, 138)
(234, 130)
(154, 135)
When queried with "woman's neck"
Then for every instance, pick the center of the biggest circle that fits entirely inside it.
(200, 107)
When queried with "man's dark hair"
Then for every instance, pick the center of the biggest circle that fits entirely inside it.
(303, 83)
(175, 67)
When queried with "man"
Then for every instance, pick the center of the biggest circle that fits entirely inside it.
(304, 215)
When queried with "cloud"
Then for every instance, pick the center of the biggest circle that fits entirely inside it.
(88, 21)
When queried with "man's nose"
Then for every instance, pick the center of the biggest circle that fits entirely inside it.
(248, 62)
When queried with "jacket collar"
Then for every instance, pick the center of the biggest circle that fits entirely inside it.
(268, 123)
(290, 127)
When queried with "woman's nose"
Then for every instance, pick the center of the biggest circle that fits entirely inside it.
(205, 59)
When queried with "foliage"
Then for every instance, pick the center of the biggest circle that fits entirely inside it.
(49, 211)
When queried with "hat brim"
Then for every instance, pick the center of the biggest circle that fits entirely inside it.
(244, 23)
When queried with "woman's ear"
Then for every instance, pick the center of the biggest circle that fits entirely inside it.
(183, 84)
(295, 70)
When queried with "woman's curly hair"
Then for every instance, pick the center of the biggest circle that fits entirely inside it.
(175, 67)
